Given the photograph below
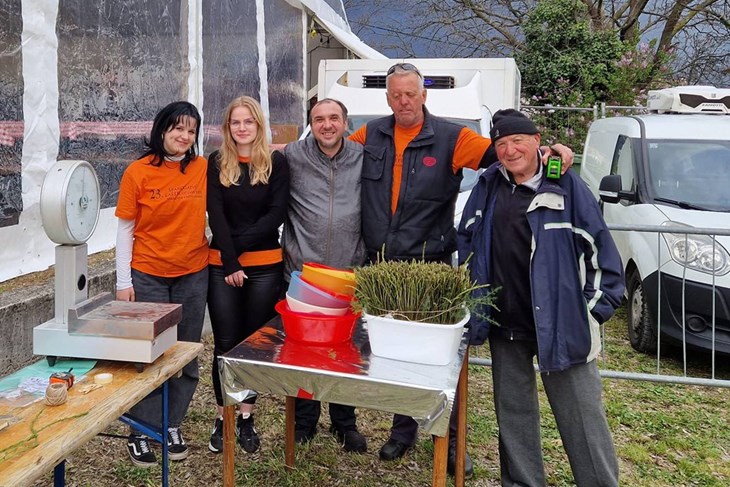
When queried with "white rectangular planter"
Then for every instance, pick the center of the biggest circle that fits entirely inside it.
(411, 341)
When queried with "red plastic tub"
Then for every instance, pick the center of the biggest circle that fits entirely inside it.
(316, 328)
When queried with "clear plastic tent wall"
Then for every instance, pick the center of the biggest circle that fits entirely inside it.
(11, 113)
(338, 7)
(83, 79)
(117, 65)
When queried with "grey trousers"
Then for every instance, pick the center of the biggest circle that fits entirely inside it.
(575, 400)
(189, 290)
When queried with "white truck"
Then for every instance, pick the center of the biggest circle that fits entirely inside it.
(669, 168)
(467, 91)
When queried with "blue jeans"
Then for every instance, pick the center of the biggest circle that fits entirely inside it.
(189, 290)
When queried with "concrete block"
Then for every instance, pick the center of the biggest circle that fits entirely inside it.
(23, 308)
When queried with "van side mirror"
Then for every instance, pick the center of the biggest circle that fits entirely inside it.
(610, 190)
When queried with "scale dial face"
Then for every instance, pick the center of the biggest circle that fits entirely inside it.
(70, 202)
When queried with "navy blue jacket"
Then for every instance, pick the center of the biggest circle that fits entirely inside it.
(576, 275)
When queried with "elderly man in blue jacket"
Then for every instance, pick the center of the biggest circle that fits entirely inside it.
(543, 242)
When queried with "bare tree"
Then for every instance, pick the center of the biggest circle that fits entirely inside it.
(694, 33)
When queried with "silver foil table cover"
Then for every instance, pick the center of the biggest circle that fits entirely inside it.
(346, 373)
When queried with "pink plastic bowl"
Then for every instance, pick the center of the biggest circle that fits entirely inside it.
(316, 328)
(302, 307)
(301, 290)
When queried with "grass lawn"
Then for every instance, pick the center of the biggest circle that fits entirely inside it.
(666, 435)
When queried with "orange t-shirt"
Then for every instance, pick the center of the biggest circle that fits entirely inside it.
(168, 209)
(468, 152)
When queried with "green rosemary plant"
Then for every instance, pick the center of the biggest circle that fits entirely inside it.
(417, 291)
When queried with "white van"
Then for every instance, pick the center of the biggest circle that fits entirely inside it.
(670, 168)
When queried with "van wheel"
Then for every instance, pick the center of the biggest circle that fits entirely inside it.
(642, 328)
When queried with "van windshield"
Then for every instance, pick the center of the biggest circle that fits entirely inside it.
(692, 173)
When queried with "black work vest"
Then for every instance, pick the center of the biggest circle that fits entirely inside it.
(423, 223)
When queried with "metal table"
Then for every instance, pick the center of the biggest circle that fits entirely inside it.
(350, 374)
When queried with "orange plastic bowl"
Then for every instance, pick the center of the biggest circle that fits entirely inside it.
(338, 281)
(316, 328)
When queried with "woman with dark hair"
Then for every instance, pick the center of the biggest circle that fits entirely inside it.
(248, 192)
(162, 253)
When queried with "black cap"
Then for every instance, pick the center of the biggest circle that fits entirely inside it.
(510, 122)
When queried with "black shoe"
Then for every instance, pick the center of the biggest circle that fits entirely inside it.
(176, 447)
(451, 463)
(303, 435)
(216, 437)
(351, 440)
(140, 452)
(393, 450)
(247, 435)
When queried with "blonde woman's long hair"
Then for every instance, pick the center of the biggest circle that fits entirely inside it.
(259, 169)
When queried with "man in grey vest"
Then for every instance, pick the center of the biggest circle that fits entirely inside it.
(412, 170)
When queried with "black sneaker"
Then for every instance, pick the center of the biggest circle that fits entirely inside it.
(140, 452)
(176, 447)
(351, 440)
(216, 437)
(247, 435)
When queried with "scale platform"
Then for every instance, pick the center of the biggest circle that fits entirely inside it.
(100, 328)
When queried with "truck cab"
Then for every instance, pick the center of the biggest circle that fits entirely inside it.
(669, 169)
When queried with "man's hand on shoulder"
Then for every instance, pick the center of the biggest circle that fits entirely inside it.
(564, 152)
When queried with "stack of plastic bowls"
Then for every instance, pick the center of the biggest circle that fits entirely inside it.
(310, 293)
(336, 281)
(317, 309)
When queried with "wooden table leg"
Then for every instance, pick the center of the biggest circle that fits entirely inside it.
(463, 393)
(229, 446)
(440, 459)
(289, 432)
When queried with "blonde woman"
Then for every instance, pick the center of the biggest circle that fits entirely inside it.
(248, 192)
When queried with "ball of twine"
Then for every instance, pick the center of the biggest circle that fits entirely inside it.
(56, 394)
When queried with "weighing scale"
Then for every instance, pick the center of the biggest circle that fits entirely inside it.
(99, 327)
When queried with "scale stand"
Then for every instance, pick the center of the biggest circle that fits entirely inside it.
(96, 328)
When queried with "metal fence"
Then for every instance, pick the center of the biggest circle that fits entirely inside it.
(569, 125)
(705, 362)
